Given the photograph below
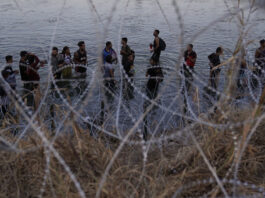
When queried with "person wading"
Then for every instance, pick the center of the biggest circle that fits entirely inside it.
(109, 51)
(125, 51)
(214, 59)
(157, 46)
(80, 59)
(67, 58)
(130, 71)
(9, 75)
(155, 74)
(109, 81)
(190, 58)
(260, 63)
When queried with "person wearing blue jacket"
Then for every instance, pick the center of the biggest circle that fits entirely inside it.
(108, 50)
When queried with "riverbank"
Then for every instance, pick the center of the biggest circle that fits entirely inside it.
(174, 165)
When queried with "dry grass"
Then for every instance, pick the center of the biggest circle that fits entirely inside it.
(174, 164)
(167, 169)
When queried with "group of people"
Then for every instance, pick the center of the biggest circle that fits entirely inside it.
(63, 63)
(190, 57)
(154, 72)
(29, 64)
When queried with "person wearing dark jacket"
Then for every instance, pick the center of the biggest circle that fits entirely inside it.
(260, 58)
(125, 51)
(80, 59)
(128, 81)
(155, 74)
(3, 95)
(32, 69)
(214, 59)
(29, 65)
(23, 65)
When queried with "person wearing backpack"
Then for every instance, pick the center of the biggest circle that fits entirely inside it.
(158, 46)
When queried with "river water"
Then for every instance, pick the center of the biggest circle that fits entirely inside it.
(37, 25)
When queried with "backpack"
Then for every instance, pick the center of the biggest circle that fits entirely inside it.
(162, 44)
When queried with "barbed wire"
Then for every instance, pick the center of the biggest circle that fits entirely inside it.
(126, 121)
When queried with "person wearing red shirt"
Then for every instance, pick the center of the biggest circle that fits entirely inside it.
(190, 58)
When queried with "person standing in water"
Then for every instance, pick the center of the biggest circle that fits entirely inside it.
(241, 76)
(66, 57)
(128, 65)
(155, 74)
(260, 58)
(55, 59)
(108, 50)
(158, 46)
(4, 101)
(80, 59)
(9, 75)
(214, 59)
(125, 51)
(190, 58)
(11, 79)
(130, 71)
(23, 67)
(109, 81)
(33, 76)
